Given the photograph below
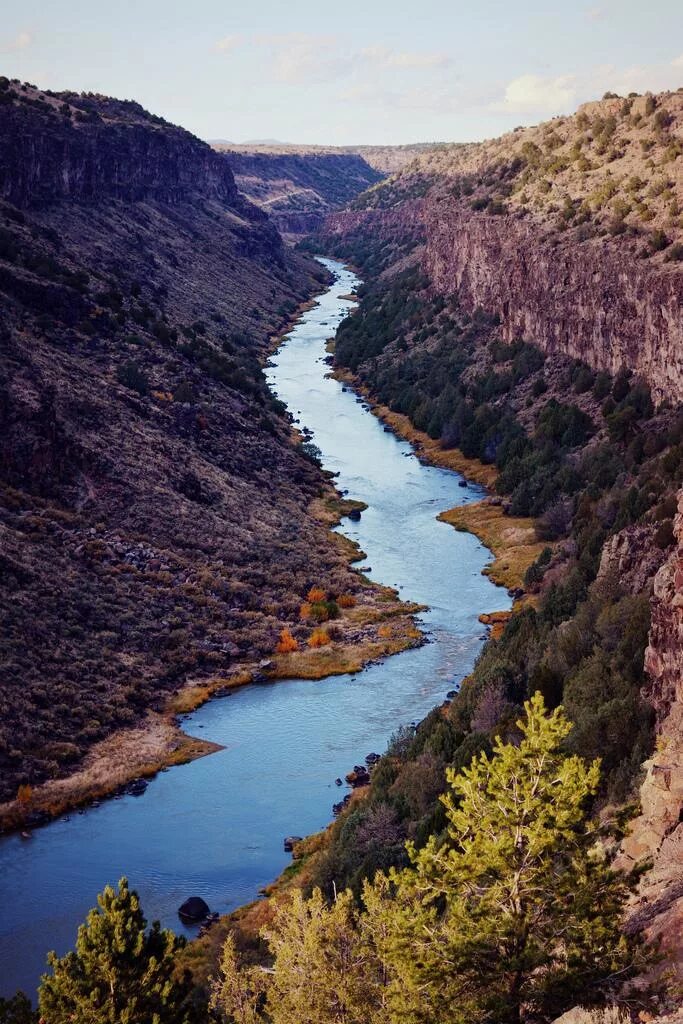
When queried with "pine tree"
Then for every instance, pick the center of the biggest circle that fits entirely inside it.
(325, 969)
(516, 913)
(17, 1010)
(119, 973)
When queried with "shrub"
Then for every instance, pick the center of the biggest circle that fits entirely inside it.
(287, 643)
(658, 241)
(318, 638)
(346, 601)
(316, 595)
(131, 376)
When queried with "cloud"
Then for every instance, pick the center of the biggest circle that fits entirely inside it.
(300, 57)
(303, 58)
(228, 43)
(383, 57)
(547, 95)
(20, 42)
(596, 13)
(533, 94)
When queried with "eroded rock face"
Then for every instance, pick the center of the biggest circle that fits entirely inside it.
(632, 558)
(657, 833)
(590, 301)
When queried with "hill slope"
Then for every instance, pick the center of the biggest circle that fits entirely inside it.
(571, 232)
(154, 513)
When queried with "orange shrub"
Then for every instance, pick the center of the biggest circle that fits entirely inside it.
(318, 638)
(346, 601)
(305, 610)
(286, 643)
(315, 595)
(385, 632)
(25, 795)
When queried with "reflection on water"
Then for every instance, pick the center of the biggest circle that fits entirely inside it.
(215, 827)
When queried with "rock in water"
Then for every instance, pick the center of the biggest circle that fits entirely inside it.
(194, 909)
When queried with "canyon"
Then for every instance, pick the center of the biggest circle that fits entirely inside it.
(163, 521)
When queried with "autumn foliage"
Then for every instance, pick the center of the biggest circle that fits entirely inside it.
(318, 638)
(287, 643)
(316, 595)
(346, 601)
(24, 795)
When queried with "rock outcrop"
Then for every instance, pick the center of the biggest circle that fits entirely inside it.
(657, 833)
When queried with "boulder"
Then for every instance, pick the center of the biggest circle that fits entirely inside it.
(193, 909)
(290, 842)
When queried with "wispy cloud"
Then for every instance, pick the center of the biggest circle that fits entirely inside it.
(308, 58)
(21, 41)
(228, 43)
(383, 57)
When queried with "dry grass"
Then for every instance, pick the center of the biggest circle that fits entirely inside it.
(512, 539)
(128, 754)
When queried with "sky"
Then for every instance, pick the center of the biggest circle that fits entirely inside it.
(371, 72)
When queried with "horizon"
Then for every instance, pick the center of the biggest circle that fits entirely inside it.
(454, 75)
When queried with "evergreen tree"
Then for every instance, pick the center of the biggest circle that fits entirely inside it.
(119, 973)
(325, 969)
(17, 1010)
(516, 914)
(513, 914)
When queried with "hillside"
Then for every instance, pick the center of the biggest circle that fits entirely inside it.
(523, 306)
(297, 190)
(298, 185)
(155, 515)
(570, 232)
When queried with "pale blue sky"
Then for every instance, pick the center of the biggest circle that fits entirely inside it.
(344, 73)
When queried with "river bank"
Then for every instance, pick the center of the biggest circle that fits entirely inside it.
(511, 539)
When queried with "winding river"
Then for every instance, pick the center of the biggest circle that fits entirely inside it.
(215, 827)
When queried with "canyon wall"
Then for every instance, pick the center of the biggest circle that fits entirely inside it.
(657, 833)
(590, 301)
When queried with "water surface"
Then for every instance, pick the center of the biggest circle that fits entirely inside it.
(215, 827)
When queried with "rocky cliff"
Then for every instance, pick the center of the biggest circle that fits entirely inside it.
(94, 148)
(592, 301)
(658, 831)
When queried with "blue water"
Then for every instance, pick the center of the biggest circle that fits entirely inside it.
(215, 827)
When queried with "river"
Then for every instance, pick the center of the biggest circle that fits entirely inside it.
(215, 827)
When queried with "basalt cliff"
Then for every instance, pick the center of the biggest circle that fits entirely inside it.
(569, 232)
